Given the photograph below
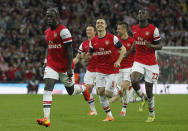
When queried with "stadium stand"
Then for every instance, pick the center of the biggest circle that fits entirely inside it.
(22, 23)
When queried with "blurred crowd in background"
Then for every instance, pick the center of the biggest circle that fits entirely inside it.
(22, 26)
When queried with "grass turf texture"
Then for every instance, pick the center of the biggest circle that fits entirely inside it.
(69, 113)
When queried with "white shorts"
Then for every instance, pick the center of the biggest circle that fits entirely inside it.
(90, 78)
(51, 73)
(105, 80)
(124, 74)
(150, 72)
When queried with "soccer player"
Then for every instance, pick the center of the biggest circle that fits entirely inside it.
(58, 62)
(147, 40)
(105, 47)
(90, 75)
(123, 78)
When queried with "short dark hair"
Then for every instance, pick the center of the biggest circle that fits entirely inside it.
(102, 19)
(124, 24)
(91, 25)
(54, 9)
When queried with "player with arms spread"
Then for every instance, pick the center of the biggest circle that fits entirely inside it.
(147, 40)
(90, 75)
(105, 47)
(58, 62)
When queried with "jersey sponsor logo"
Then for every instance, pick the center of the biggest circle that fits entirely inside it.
(140, 42)
(103, 52)
(101, 49)
(147, 33)
(54, 46)
(140, 38)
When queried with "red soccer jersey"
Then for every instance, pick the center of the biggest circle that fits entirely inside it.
(127, 62)
(106, 53)
(145, 54)
(84, 47)
(57, 55)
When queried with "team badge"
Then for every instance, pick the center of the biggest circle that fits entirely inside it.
(107, 42)
(147, 33)
(55, 35)
(128, 44)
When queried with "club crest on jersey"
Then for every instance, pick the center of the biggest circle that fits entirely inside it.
(128, 44)
(147, 33)
(107, 42)
(55, 35)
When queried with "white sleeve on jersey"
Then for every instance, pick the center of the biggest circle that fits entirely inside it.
(90, 45)
(117, 43)
(80, 49)
(115, 40)
(66, 35)
(156, 35)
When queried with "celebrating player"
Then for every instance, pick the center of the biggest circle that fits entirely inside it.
(105, 47)
(90, 75)
(59, 63)
(123, 78)
(147, 40)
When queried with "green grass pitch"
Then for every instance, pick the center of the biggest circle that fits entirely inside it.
(69, 113)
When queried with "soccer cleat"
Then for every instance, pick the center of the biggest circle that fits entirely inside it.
(44, 121)
(123, 113)
(92, 113)
(141, 106)
(86, 94)
(108, 118)
(151, 118)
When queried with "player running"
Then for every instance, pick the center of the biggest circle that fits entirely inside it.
(123, 77)
(105, 47)
(90, 75)
(147, 40)
(58, 63)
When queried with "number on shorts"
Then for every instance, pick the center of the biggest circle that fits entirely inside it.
(155, 76)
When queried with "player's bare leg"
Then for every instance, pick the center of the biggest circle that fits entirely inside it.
(135, 79)
(47, 101)
(104, 102)
(149, 92)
